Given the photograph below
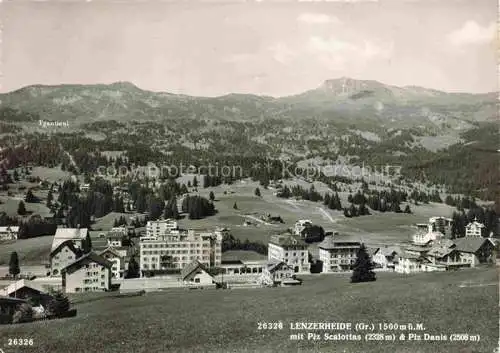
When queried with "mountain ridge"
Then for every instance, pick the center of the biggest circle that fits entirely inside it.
(335, 99)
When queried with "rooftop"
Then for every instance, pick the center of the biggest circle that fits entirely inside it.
(286, 240)
(338, 241)
(63, 234)
(470, 245)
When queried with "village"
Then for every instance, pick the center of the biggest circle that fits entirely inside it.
(164, 256)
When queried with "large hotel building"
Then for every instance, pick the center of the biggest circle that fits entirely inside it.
(166, 247)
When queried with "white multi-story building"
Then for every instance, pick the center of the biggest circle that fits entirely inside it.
(175, 250)
(89, 273)
(155, 229)
(338, 252)
(441, 224)
(300, 225)
(291, 251)
(424, 237)
(474, 229)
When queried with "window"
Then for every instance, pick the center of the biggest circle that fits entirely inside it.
(197, 280)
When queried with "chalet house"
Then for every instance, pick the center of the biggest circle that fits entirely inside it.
(9, 232)
(475, 251)
(386, 257)
(196, 274)
(90, 273)
(276, 273)
(443, 256)
(119, 258)
(410, 263)
(338, 252)
(24, 289)
(76, 235)
(474, 229)
(62, 256)
(291, 250)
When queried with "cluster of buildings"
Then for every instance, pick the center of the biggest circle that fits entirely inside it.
(433, 250)
(169, 256)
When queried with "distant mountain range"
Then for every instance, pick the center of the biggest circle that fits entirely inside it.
(342, 99)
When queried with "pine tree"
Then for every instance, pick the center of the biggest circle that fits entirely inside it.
(133, 270)
(363, 267)
(257, 192)
(21, 209)
(14, 268)
(50, 198)
(212, 196)
(30, 198)
(235, 206)
(59, 304)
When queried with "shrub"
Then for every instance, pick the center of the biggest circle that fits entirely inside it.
(58, 305)
(23, 314)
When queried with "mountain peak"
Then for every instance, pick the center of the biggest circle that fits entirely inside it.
(347, 85)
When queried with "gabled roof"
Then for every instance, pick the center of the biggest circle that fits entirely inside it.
(407, 255)
(287, 241)
(111, 250)
(116, 233)
(335, 241)
(10, 300)
(14, 287)
(92, 257)
(470, 245)
(390, 250)
(70, 245)
(274, 266)
(63, 234)
(440, 252)
(372, 251)
(475, 224)
(192, 268)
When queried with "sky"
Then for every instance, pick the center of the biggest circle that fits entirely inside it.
(260, 47)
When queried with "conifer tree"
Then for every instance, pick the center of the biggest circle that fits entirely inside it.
(21, 209)
(14, 268)
(363, 267)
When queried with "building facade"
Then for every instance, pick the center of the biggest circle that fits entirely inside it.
(179, 248)
(90, 273)
(290, 250)
(62, 256)
(155, 229)
(338, 253)
(474, 229)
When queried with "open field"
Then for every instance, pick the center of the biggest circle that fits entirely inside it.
(226, 321)
(50, 174)
(31, 251)
(106, 222)
(9, 205)
(378, 228)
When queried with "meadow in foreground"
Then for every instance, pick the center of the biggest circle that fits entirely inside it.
(227, 320)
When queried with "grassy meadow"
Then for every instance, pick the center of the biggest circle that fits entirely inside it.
(181, 320)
